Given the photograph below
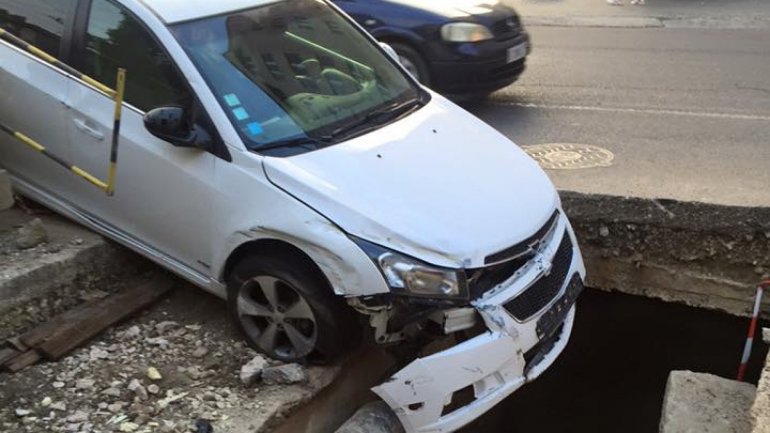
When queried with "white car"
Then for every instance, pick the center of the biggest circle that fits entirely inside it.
(274, 154)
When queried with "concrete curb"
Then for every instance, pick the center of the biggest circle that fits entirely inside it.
(42, 271)
(703, 255)
(760, 410)
(682, 22)
(578, 21)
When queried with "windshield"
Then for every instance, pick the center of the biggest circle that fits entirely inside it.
(294, 76)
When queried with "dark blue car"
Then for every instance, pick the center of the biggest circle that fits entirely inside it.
(456, 47)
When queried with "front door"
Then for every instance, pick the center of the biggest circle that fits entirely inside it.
(163, 193)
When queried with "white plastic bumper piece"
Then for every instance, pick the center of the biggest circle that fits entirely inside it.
(492, 363)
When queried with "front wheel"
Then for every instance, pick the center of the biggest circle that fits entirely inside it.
(413, 62)
(288, 312)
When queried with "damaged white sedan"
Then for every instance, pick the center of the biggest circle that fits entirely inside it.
(276, 155)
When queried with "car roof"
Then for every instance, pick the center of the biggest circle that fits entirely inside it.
(174, 11)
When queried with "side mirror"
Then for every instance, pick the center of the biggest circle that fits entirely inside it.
(171, 124)
(391, 52)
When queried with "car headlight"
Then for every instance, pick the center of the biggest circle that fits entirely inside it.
(414, 277)
(465, 32)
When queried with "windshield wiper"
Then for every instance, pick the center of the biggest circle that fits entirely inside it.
(292, 142)
(375, 118)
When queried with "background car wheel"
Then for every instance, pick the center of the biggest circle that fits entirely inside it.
(288, 312)
(412, 62)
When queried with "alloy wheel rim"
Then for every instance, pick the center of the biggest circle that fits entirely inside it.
(277, 318)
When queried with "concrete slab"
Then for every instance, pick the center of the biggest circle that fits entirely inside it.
(704, 403)
(699, 254)
(760, 410)
(72, 255)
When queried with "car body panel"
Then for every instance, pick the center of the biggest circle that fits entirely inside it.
(31, 96)
(438, 185)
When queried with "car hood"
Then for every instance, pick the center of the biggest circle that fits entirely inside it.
(457, 9)
(439, 185)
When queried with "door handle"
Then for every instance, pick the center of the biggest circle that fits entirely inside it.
(88, 129)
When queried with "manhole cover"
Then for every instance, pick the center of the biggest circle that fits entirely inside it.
(569, 156)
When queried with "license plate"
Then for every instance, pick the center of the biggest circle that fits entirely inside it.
(517, 52)
(553, 318)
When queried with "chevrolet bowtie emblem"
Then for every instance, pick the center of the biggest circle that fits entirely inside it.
(543, 264)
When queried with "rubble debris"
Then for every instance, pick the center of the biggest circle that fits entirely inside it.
(55, 338)
(285, 374)
(128, 426)
(22, 412)
(138, 389)
(154, 374)
(166, 326)
(31, 235)
(173, 404)
(200, 352)
(203, 426)
(252, 370)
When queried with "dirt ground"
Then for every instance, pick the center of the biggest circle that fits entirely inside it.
(105, 386)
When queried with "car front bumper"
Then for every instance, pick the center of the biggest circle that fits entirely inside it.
(495, 363)
(477, 68)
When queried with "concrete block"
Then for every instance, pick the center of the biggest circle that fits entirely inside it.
(760, 410)
(6, 194)
(375, 417)
(704, 403)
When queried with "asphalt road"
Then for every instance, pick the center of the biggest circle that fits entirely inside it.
(685, 111)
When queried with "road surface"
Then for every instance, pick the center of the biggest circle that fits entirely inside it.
(686, 112)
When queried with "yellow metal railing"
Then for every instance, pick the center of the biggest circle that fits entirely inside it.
(115, 94)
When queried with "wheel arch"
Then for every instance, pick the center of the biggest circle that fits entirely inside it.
(412, 43)
(273, 248)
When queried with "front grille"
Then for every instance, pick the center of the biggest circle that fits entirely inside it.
(527, 245)
(541, 293)
(507, 28)
(507, 261)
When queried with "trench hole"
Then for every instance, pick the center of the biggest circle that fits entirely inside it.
(612, 375)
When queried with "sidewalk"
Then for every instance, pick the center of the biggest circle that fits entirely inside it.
(713, 14)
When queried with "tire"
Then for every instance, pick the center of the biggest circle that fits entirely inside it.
(286, 310)
(413, 62)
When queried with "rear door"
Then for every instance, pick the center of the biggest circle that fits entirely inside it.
(32, 93)
(163, 194)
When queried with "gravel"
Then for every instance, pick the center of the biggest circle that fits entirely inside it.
(150, 375)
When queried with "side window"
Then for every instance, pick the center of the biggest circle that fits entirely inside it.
(39, 22)
(114, 38)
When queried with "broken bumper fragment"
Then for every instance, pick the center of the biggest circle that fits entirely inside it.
(487, 368)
